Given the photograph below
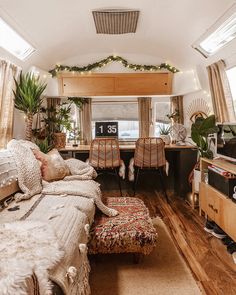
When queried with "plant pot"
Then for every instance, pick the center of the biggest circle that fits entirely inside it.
(196, 180)
(165, 138)
(59, 140)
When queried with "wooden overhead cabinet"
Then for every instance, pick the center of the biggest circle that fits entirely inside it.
(115, 84)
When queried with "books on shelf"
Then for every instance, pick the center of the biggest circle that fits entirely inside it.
(220, 171)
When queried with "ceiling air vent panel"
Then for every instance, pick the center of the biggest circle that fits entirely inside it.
(115, 21)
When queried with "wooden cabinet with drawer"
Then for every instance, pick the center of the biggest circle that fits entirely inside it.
(217, 206)
(212, 203)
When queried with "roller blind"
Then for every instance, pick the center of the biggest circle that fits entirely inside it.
(127, 111)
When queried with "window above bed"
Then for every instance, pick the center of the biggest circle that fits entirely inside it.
(12, 42)
(219, 34)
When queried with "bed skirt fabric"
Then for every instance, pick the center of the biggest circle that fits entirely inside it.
(131, 231)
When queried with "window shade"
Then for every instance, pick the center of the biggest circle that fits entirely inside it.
(115, 111)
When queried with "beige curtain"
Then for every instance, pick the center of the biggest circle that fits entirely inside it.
(176, 105)
(220, 92)
(86, 122)
(144, 112)
(8, 72)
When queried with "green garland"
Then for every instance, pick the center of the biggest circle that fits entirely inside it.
(109, 59)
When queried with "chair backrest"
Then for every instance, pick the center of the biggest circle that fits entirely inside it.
(104, 153)
(149, 153)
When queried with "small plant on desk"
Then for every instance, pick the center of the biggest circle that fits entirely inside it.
(165, 133)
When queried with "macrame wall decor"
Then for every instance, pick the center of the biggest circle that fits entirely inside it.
(198, 108)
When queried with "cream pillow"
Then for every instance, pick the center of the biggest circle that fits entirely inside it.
(53, 167)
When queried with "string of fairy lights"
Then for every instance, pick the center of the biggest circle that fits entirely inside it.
(112, 58)
(8, 170)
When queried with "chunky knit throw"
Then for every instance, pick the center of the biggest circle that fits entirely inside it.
(28, 170)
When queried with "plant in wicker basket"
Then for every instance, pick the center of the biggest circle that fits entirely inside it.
(60, 120)
(28, 98)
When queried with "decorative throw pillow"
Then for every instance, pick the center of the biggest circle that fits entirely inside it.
(53, 167)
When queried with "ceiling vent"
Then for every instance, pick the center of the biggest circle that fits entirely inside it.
(115, 21)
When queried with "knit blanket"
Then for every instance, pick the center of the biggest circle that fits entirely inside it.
(27, 249)
(28, 170)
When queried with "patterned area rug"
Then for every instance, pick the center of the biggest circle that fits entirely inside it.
(163, 272)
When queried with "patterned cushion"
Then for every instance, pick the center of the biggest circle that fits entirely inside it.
(131, 231)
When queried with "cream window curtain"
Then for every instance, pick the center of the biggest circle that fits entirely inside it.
(176, 104)
(86, 122)
(220, 92)
(144, 111)
(8, 72)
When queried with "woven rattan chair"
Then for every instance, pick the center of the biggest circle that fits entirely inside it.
(149, 154)
(105, 156)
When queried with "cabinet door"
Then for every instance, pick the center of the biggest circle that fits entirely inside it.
(203, 196)
(230, 218)
(210, 202)
(218, 207)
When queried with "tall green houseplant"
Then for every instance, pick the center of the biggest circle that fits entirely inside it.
(200, 131)
(28, 98)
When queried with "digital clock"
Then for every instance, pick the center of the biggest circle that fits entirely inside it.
(106, 129)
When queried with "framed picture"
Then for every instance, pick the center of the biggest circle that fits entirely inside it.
(106, 129)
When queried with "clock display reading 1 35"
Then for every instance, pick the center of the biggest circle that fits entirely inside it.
(106, 129)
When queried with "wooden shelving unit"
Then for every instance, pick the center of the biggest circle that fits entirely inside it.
(217, 206)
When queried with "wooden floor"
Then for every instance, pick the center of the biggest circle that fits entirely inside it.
(211, 265)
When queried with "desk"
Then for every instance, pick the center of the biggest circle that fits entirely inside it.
(181, 159)
(123, 147)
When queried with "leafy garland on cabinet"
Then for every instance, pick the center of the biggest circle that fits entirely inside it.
(109, 59)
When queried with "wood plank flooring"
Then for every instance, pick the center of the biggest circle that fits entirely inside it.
(211, 265)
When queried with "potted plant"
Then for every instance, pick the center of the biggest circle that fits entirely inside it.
(174, 116)
(28, 98)
(60, 120)
(201, 129)
(165, 133)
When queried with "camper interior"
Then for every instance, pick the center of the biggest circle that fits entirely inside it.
(117, 147)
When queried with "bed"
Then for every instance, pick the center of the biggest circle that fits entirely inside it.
(70, 218)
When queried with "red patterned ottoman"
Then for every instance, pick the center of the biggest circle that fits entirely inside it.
(131, 231)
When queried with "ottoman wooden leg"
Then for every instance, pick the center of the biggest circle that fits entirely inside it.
(137, 257)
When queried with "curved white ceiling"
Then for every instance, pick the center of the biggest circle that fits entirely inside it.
(64, 31)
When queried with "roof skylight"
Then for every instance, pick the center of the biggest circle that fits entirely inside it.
(221, 33)
(11, 41)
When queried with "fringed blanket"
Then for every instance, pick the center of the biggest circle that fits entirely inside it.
(80, 170)
(88, 189)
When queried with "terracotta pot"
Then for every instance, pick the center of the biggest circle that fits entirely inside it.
(59, 140)
(165, 138)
